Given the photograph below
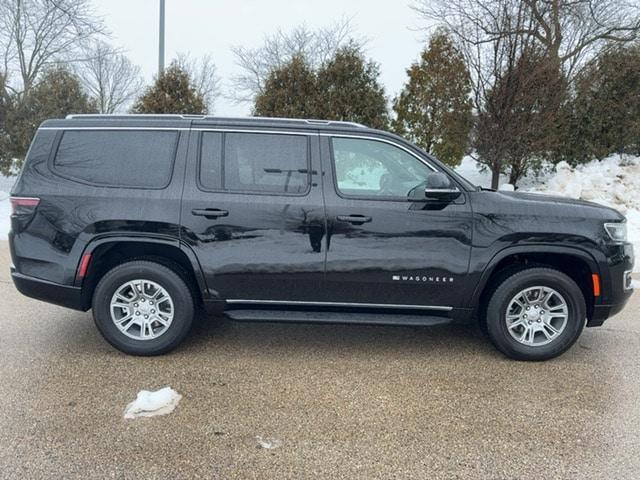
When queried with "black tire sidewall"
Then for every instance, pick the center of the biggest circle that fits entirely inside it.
(180, 294)
(496, 313)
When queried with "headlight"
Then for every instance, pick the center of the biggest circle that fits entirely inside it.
(617, 231)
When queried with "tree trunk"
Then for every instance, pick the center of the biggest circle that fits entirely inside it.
(495, 177)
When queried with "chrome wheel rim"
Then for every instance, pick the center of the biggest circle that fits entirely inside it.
(537, 316)
(142, 309)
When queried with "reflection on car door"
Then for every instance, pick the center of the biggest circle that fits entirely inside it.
(383, 248)
(253, 212)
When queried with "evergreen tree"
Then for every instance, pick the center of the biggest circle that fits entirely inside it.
(349, 89)
(345, 88)
(289, 92)
(57, 94)
(605, 116)
(172, 92)
(434, 109)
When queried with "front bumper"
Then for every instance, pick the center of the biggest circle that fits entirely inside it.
(619, 287)
(63, 295)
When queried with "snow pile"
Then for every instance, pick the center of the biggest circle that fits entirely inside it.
(612, 182)
(151, 404)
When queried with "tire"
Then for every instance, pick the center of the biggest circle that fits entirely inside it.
(176, 313)
(528, 332)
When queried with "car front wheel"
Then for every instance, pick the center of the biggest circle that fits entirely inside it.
(535, 314)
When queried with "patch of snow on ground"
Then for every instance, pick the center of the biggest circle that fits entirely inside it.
(151, 404)
(268, 443)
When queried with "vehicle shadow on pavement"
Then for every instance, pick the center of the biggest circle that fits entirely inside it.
(215, 332)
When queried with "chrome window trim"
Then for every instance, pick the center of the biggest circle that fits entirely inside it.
(236, 301)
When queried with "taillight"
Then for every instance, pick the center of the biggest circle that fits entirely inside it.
(23, 205)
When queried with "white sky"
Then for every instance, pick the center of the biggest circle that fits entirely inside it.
(198, 27)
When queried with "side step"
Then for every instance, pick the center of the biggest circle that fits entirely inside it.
(366, 318)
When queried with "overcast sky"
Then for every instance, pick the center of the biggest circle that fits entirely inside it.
(198, 27)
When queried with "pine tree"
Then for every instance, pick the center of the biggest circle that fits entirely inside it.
(349, 89)
(345, 88)
(57, 94)
(289, 92)
(605, 115)
(172, 92)
(434, 109)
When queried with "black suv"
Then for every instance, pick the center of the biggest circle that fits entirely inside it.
(146, 219)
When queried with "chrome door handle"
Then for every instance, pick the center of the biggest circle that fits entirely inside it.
(210, 213)
(354, 219)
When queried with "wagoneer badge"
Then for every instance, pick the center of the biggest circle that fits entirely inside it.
(421, 279)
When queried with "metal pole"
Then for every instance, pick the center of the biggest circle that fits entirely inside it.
(161, 45)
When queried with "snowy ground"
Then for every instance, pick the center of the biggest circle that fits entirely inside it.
(5, 186)
(614, 182)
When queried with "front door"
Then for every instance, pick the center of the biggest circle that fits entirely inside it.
(252, 211)
(384, 249)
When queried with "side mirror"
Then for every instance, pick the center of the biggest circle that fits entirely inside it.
(439, 188)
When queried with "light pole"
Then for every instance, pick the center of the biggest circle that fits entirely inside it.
(161, 40)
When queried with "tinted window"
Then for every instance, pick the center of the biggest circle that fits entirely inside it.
(370, 168)
(256, 162)
(117, 158)
(211, 160)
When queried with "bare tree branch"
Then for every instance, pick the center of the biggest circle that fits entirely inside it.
(204, 77)
(109, 77)
(38, 33)
(315, 46)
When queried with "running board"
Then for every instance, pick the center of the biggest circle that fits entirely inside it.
(363, 318)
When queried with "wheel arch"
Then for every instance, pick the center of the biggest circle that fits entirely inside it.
(106, 253)
(578, 264)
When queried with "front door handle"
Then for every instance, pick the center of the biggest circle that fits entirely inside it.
(354, 219)
(210, 213)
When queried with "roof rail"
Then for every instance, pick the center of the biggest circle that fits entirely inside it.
(309, 121)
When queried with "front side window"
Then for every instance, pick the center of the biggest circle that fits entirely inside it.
(255, 162)
(118, 158)
(370, 168)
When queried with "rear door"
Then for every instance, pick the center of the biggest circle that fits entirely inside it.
(383, 248)
(253, 213)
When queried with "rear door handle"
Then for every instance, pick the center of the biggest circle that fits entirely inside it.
(354, 219)
(210, 213)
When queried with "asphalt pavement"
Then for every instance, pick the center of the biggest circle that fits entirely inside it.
(335, 401)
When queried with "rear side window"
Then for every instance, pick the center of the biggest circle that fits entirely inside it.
(141, 158)
(255, 162)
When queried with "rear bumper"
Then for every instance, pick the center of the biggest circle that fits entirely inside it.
(63, 295)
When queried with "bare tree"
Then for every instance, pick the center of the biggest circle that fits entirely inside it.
(38, 33)
(203, 77)
(109, 77)
(568, 30)
(506, 43)
(279, 48)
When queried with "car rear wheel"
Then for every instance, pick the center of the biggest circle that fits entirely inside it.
(535, 314)
(143, 308)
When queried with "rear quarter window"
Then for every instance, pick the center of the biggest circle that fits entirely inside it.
(115, 158)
